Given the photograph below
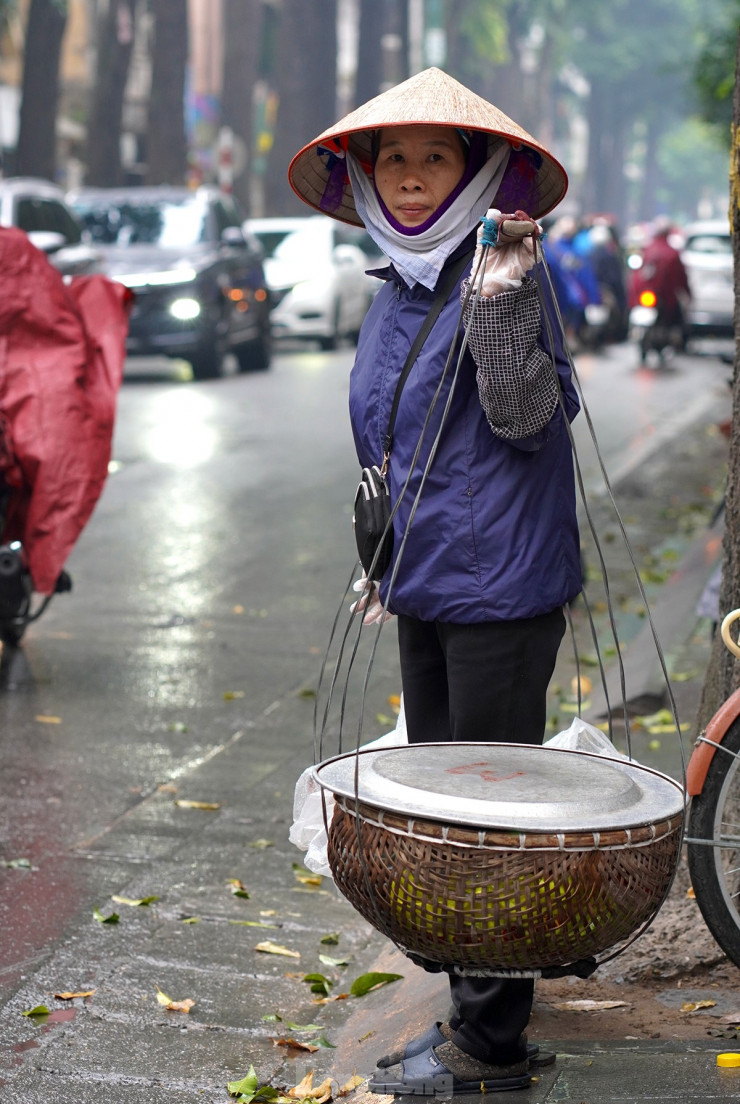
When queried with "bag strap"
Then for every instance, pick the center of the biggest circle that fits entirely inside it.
(449, 280)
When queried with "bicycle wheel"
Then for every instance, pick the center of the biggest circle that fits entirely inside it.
(715, 866)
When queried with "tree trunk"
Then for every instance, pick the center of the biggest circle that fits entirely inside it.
(115, 42)
(369, 54)
(307, 91)
(166, 141)
(242, 37)
(723, 671)
(36, 152)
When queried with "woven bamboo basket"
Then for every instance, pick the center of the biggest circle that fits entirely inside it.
(490, 899)
(499, 900)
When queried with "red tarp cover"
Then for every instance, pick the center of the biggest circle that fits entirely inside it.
(62, 349)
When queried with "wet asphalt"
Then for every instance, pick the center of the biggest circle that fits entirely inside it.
(232, 922)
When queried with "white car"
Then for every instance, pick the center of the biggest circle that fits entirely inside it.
(40, 208)
(707, 257)
(315, 268)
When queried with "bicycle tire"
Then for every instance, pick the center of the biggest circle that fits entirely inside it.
(715, 868)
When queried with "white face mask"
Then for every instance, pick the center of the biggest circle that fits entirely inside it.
(419, 258)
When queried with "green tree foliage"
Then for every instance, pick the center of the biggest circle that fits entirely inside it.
(714, 75)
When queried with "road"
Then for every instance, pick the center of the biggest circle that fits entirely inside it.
(184, 660)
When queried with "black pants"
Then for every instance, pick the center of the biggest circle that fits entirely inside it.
(484, 682)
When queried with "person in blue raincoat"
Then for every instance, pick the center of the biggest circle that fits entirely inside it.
(492, 554)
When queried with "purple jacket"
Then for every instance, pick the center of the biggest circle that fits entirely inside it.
(494, 536)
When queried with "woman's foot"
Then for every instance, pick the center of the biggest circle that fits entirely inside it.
(440, 1033)
(446, 1070)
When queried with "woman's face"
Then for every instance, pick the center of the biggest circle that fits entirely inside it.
(416, 169)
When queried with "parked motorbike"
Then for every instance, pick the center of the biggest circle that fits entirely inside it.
(62, 350)
(652, 331)
(713, 836)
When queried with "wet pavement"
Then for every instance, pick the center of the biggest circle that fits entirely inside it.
(200, 830)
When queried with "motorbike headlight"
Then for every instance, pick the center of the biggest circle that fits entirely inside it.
(184, 310)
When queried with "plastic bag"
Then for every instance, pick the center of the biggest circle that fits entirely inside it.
(308, 831)
(582, 736)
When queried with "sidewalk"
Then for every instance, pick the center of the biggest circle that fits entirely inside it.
(199, 940)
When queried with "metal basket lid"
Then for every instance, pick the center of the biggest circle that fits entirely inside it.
(509, 786)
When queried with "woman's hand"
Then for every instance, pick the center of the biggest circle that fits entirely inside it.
(511, 258)
(369, 604)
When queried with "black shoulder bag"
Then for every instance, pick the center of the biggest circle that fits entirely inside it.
(372, 508)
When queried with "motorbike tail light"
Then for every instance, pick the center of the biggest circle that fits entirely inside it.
(648, 298)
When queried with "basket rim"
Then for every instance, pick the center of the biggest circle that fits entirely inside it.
(351, 789)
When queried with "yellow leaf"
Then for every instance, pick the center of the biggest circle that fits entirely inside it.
(171, 1005)
(694, 1006)
(180, 1006)
(304, 1089)
(71, 996)
(42, 718)
(208, 805)
(351, 1085)
(690, 893)
(268, 947)
(232, 695)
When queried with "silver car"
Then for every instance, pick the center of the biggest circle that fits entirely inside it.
(40, 209)
(316, 271)
(707, 257)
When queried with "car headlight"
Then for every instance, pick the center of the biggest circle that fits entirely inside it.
(185, 309)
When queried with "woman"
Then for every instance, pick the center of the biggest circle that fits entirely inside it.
(492, 553)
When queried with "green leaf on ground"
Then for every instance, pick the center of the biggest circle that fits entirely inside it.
(367, 982)
(319, 983)
(18, 864)
(328, 961)
(112, 919)
(39, 1010)
(330, 940)
(135, 902)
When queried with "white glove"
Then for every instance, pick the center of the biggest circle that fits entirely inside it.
(507, 261)
(369, 604)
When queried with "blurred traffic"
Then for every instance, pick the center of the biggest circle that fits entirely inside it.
(316, 271)
(198, 280)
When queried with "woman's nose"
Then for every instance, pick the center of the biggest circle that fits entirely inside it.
(411, 183)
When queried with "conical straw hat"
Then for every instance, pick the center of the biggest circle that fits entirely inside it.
(534, 180)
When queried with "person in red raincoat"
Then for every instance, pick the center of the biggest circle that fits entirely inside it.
(62, 350)
(663, 272)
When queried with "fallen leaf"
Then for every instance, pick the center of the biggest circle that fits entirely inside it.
(295, 1044)
(134, 902)
(352, 1084)
(589, 1005)
(394, 700)
(39, 1010)
(329, 999)
(237, 609)
(330, 940)
(191, 920)
(254, 924)
(695, 1006)
(260, 844)
(268, 947)
(167, 787)
(177, 726)
(304, 1089)
(112, 919)
(731, 1018)
(43, 718)
(232, 695)
(18, 864)
(173, 1005)
(209, 805)
(71, 996)
(328, 961)
(690, 893)
(306, 877)
(318, 983)
(367, 982)
(238, 888)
